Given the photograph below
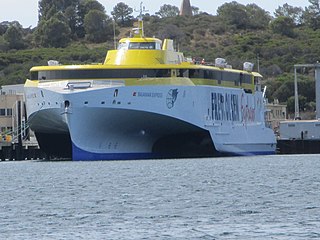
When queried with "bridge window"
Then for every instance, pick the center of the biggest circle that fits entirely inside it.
(142, 45)
(123, 46)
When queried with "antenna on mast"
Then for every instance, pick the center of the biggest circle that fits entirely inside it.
(141, 11)
(139, 31)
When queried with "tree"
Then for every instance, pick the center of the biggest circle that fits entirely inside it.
(4, 45)
(171, 31)
(49, 8)
(122, 14)
(312, 14)
(14, 37)
(302, 103)
(258, 17)
(195, 10)
(98, 26)
(3, 27)
(283, 26)
(85, 6)
(53, 33)
(73, 12)
(168, 10)
(235, 14)
(71, 17)
(295, 13)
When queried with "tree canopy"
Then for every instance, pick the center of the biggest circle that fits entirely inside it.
(53, 33)
(168, 10)
(295, 13)
(98, 26)
(122, 14)
(71, 12)
(244, 17)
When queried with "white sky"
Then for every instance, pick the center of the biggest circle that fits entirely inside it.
(26, 11)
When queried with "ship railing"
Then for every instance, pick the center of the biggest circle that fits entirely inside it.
(110, 83)
(79, 85)
(93, 84)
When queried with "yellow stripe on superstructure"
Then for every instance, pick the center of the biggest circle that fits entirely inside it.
(31, 83)
(153, 66)
(160, 80)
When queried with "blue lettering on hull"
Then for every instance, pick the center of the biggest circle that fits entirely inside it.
(225, 107)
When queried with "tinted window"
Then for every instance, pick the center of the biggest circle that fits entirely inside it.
(100, 73)
(143, 45)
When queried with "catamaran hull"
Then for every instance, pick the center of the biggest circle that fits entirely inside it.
(147, 122)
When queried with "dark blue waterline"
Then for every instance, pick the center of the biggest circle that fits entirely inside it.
(79, 154)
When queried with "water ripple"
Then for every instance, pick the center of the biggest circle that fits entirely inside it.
(266, 197)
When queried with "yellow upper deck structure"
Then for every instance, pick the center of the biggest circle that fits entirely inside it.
(139, 50)
(149, 61)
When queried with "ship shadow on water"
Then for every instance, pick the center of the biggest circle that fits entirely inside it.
(56, 146)
(197, 144)
(186, 145)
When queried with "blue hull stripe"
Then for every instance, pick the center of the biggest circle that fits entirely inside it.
(82, 155)
(255, 153)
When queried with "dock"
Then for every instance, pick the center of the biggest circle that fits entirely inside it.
(18, 152)
(298, 146)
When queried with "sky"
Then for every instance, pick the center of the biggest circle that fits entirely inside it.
(26, 11)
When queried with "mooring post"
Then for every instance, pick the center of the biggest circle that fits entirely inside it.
(317, 76)
(19, 132)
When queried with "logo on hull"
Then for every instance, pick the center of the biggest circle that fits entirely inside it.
(172, 97)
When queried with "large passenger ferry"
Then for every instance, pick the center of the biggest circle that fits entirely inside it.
(147, 101)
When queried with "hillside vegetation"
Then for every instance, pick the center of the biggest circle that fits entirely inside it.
(73, 34)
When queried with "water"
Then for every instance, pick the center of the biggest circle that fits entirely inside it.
(267, 197)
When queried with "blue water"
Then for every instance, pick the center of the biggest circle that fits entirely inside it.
(265, 197)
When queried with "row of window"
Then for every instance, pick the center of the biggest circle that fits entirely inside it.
(139, 45)
(237, 78)
(5, 111)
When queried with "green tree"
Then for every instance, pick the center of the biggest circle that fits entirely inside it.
(303, 104)
(14, 37)
(3, 27)
(98, 26)
(71, 17)
(195, 10)
(122, 14)
(49, 8)
(235, 14)
(311, 15)
(64, 10)
(284, 26)
(168, 10)
(295, 13)
(4, 45)
(53, 33)
(84, 8)
(258, 17)
(171, 31)
(73, 12)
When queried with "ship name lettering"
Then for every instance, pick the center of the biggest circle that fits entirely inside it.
(150, 94)
(225, 107)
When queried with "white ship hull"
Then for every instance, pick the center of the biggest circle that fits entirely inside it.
(114, 122)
